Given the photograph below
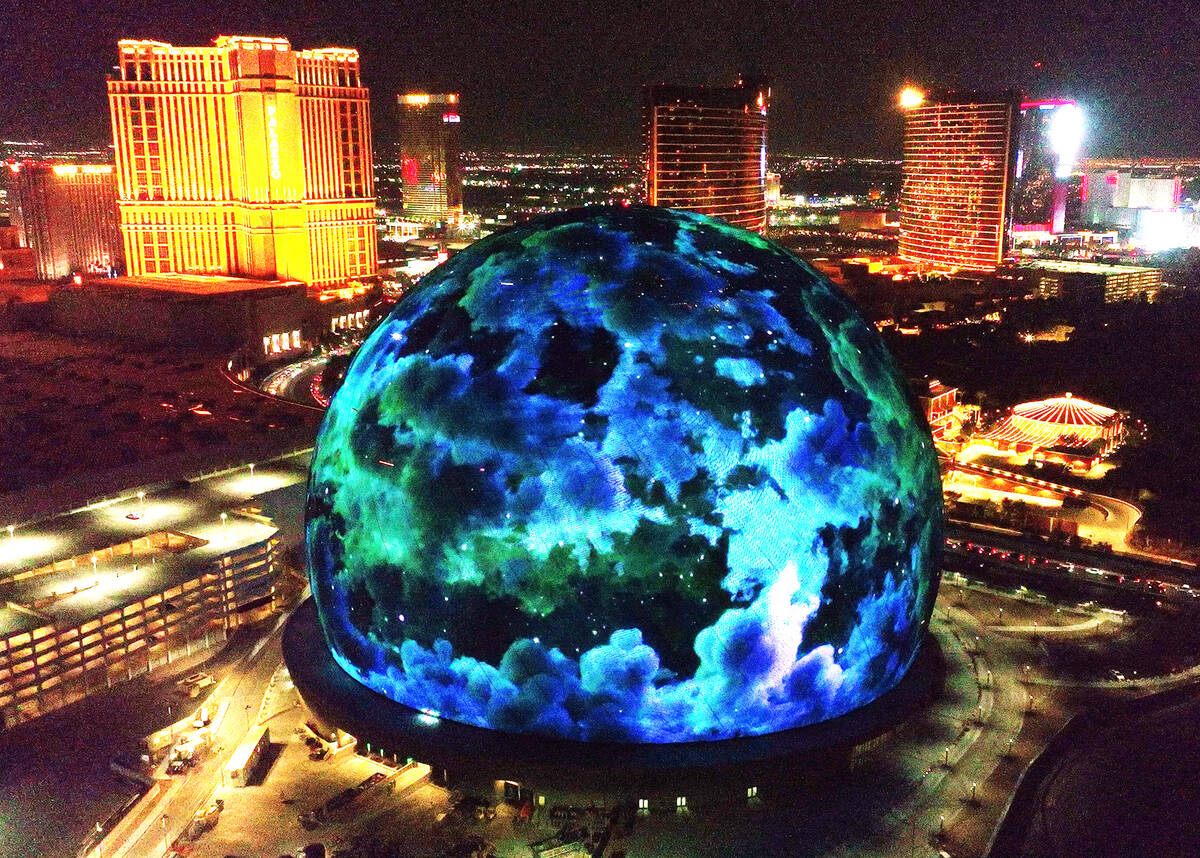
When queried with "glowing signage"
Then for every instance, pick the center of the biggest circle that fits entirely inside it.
(273, 142)
(417, 99)
(81, 169)
(449, 117)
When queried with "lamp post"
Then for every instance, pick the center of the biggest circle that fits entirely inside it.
(141, 499)
(251, 469)
(224, 525)
(166, 845)
(248, 717)
(11, 528)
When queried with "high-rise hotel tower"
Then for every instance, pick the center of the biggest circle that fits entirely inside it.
(429, 153)
(959, 159)
(245, 158)
(706, 150)
(68, 214)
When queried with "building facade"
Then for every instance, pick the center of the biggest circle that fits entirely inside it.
(959, 157)
(67, 213)
(1093, 282)
(52, 654)
(431, 172)
(1048, 143)
(244, 158)
(706, 150)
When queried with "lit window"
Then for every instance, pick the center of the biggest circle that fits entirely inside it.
(295, 339)
(643, 807)
(275, 343)
(681, 804)
(266, 345)
(752, 792)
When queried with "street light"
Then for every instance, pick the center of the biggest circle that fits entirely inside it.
(11, 528)
(141, 498)
(252, 469)
(93, 562)
(247, 717)
(166, 845)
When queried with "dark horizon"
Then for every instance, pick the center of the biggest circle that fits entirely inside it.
(571, 80)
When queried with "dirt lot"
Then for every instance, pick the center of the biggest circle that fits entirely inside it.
(72, 406)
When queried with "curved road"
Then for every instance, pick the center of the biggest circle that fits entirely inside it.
(295, 382)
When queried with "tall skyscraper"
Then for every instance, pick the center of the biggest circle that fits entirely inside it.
(959, 156)
(429, 152)
(1051, 134)
(68, 214)
(244, 158)
(706, 150)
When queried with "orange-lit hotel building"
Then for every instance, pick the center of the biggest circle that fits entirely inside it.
(244, 158)
(706, 150)
(959, 159)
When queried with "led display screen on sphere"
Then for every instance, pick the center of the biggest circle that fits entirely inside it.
(625, 475)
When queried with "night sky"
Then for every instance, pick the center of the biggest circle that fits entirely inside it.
(566, 75)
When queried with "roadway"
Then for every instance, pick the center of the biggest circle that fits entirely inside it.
(159, 822)
(1032, 560)
(295, 382)
(1105, 519)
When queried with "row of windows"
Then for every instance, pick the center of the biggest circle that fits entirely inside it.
(276, 343)
(349, 320)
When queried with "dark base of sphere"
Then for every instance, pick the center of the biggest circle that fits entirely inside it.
(457, 751)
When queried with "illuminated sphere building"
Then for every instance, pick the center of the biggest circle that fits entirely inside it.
(624, 475)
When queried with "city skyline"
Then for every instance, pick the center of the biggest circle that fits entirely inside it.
(573, 82)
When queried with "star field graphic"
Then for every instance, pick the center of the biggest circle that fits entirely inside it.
(625, 475)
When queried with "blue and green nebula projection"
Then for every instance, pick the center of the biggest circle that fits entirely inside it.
(625, 475)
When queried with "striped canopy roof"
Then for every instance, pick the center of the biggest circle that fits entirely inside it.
(1058, 421)
(1066, 411)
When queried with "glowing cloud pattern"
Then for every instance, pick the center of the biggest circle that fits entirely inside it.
(625, 475)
